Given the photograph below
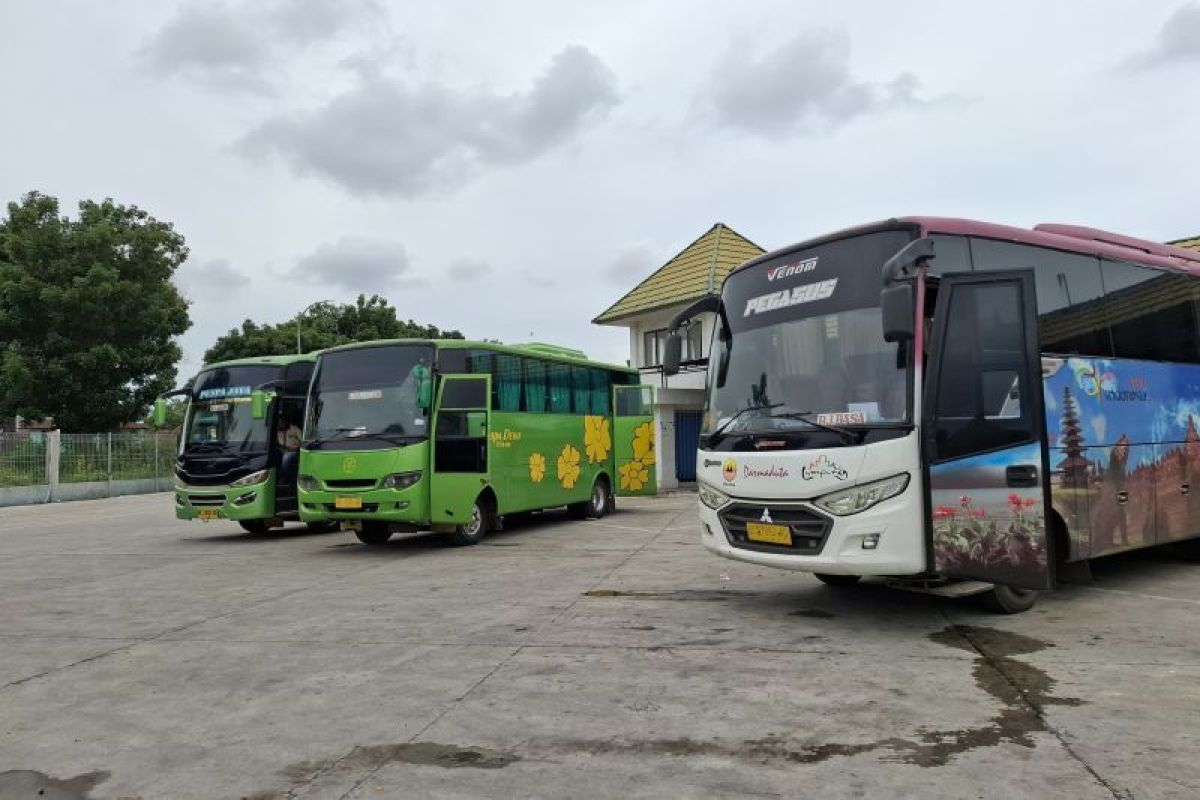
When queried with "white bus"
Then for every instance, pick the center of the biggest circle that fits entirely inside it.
(965, 404)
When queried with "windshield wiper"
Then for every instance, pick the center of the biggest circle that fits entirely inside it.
(737, 415)
(201, 447)
(845, 434)
(399, 440)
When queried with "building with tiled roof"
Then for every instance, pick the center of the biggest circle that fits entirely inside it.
(1192, 243)
(646, 310)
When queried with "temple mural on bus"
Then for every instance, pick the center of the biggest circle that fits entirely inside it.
(1124, 451)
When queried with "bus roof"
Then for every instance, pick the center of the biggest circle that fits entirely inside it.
(262, 361)
(1070, 238)
(539, 349)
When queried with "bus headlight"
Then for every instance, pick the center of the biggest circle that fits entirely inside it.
(401, 480)
(252, 478)
(710, 496)
(860, 498)
(307, 483)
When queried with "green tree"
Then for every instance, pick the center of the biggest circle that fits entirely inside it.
(88, 313)
(323, 325)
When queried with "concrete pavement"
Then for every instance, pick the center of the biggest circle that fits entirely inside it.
(144, 657)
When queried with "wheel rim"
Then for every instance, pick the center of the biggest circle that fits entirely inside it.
(598, 498)
(473, 526)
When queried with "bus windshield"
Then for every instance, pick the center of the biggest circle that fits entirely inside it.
(369, 397)
(802, 336)
(219, 417)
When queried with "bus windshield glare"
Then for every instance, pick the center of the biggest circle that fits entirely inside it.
(802, 336)
(369, 392)
(219, 415)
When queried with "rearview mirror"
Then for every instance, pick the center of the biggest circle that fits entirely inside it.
(898, 312)
(258, 404)
(160, 412)
(671, 357)
(425, 393)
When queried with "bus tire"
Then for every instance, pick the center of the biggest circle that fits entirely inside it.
(472, 532)
(1188, 550)
(374, 533)
(595, 506)
(1009, 600)
(254, 527)
(837, 580)
(321, 527)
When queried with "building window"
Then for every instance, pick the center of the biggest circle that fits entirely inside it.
(654, 344)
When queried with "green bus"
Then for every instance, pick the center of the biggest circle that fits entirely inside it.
(451, 435)
(239, 451)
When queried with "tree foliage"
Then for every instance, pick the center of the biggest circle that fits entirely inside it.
(88, 313)
(323, 325)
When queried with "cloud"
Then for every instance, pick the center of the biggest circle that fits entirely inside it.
(539, 281)
(209, 278)
(469, 268)
(1099, 427)
(232, 48)
(632, 265)
(209, 43)
(1177, 42)
(803, 86)
(357, 265)
(387, 137)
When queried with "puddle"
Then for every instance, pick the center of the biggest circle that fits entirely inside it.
(1023, 692)
(811, 613)
(373, 757)
(702, 595)
(30, 783)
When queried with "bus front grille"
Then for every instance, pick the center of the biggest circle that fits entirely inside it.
(351, 483)
(369, 508)
(206, 499)
(808, 528)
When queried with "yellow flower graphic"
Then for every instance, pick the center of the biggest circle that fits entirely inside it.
(568, 466)
(643, 443)
(634, 475)
(597, 439)
(537, 467)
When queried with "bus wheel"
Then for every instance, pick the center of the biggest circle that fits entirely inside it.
(256, 527)
(1010, 600)
(837, 580)
(321, 527)
(1188, 550)
(374, 533)
(597, 505)
(472, 532)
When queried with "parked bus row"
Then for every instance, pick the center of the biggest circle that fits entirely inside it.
(406, 435)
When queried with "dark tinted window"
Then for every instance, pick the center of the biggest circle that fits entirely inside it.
(1072, 316)
(215, 381)
(982, 375)
(951, 254)
(535, 396)
(464, 393)
(1152, 313)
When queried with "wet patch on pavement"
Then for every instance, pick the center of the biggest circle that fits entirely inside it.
(701, 595)
(30, 783)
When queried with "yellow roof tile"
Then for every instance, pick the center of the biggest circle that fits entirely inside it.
(1191, 244)
(697, 270)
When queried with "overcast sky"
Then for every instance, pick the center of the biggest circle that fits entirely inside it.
(511, 169)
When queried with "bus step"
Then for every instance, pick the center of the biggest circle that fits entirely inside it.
(944, 589)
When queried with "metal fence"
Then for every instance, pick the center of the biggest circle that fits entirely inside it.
(40, 467)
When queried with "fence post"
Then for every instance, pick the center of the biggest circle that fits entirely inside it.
(156, 475)
(108, 471)
(53, 459)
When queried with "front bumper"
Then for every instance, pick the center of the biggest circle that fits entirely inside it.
(837, 549)
(409, 505)
(242, 502)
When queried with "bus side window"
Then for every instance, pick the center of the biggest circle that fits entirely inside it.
(560, 388)
(534, 400)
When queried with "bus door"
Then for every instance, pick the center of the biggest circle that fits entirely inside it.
(633, 441)
(460, 447)
(983, 433)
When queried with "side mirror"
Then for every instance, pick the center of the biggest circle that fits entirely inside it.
(898, 312)
(425, 393)
(258, 404)
(671, 357)
(160, 412)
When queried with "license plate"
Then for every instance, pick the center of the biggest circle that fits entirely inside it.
(207, 514)
(347, 502)
(771, 534)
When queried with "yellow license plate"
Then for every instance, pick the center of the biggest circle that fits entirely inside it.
(347, 502)
(208, 513)
(771, 534)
